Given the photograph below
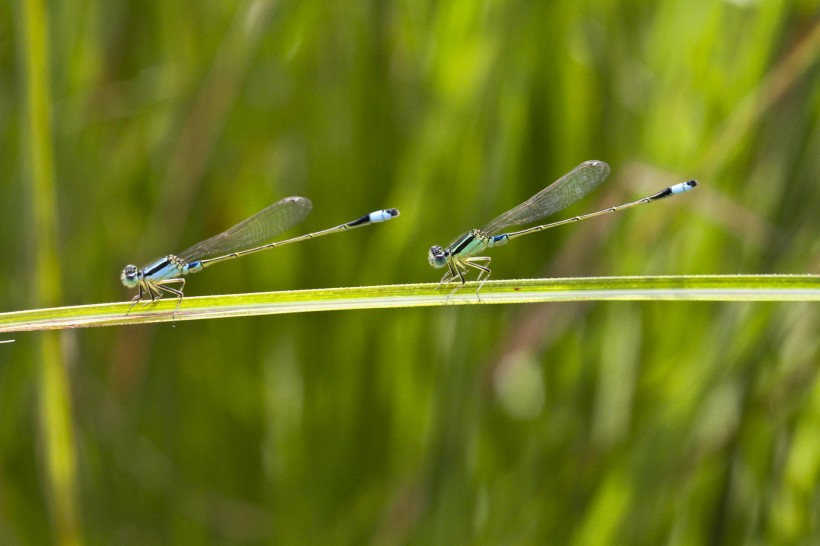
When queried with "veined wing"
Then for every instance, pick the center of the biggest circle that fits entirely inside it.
(557, 196)
(255, 231)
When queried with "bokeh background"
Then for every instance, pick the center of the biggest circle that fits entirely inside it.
(611, 423)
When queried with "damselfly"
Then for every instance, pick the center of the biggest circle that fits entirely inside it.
(244, 238)
(462, 254)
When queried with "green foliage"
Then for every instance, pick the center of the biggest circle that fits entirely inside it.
(567, 423)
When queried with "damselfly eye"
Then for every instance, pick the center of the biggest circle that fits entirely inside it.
(437, 257)
(130, 276)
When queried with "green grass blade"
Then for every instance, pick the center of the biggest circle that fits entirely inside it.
(56, 428)
(663, 288)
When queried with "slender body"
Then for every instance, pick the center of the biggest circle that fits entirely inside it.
(246, 237)
(464, 253)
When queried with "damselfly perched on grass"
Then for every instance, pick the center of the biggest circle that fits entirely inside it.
(244, 238)
(462, 254)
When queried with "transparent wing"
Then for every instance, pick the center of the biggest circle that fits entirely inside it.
(557, 196)
(255, 231)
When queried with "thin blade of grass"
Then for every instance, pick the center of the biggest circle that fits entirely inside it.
(664, 288)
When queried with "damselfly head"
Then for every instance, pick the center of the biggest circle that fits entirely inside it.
(130, 276)
(437, 256)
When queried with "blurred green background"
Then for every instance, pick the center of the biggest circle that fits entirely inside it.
(616, 423)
